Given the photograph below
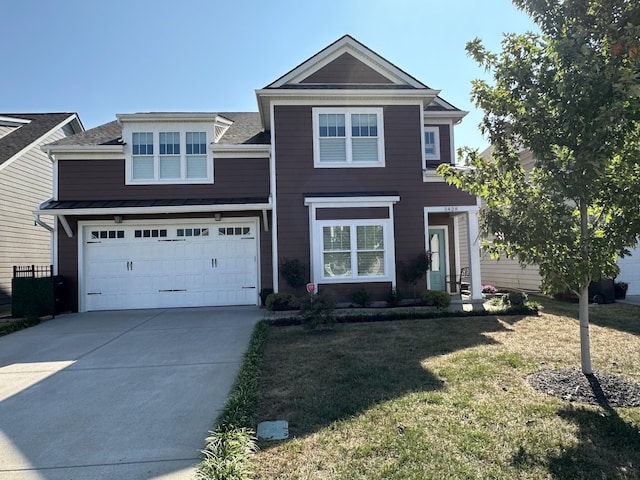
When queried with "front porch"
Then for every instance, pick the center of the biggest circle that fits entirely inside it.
(452, 237)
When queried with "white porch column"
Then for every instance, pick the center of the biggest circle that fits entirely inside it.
(474, 255)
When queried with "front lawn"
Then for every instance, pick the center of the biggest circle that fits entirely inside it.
(447, 398)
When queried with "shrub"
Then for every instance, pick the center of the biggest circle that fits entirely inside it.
(228, 448)
(515, 299)
(394, 297)
(281, 302)
(294, 273)
(317, 310)
(436, 298)
(264, 293)
(361, 297)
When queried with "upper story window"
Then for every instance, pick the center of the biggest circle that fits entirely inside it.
(431, 143)
(169, 157)
(348, 137)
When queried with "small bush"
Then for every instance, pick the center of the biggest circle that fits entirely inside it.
(228, 455)
(436, 298)
(317, 310)
(282, 302)
(361, 297)
(394, 298)
(264, 293)
(294, 273)
(515, 299)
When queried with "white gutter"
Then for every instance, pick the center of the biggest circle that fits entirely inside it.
(36, 218)
(154, 210)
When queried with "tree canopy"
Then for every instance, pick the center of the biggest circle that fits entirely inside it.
(571, 96)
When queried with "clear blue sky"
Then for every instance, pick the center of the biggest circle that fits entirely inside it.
(99, 58)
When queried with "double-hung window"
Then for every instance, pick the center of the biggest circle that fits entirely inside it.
(348, 137)
(169, 157)
(431, 143)
(354, 250)
(142, 156)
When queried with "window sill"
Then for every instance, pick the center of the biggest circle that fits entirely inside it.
(170, 182)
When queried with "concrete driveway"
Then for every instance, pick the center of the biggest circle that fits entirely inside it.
(117, 395)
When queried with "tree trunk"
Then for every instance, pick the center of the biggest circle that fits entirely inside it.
(585, 345)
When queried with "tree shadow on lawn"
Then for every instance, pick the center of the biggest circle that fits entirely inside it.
(609, 447)
(315, 379)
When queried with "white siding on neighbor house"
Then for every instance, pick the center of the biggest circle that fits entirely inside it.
(24, 183)
(463, 237)
(507, 273)
(4, 130)
(630, 271)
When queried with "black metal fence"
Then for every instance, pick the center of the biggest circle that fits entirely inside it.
(33, 271)
(36, 292)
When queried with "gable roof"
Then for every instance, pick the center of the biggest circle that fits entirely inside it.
(348, 62)
(33, 127)
(345, 72)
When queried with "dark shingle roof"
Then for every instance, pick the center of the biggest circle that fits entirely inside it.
(107, 134)
(246, 129)
(178, 202)
(28, 133)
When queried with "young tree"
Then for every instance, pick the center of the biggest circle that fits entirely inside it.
(570, 95)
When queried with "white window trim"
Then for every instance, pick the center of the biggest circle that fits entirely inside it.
(436, 137)
(347, 113)
(389, 258)
(155, 130)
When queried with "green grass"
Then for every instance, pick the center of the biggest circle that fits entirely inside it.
(446, 398)
(228, 448)
(17, 325)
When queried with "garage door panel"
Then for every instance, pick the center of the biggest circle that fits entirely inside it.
(147, 266)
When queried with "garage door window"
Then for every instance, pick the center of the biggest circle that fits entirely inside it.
(101, 234)
(192, 232)
(150, 233)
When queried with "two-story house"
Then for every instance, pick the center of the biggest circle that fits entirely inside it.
(336, 170)
(25, 179)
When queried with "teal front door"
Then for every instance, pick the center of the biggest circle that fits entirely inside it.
(438, 272)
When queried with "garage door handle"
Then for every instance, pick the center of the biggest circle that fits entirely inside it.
(214, 263)
(129, 265)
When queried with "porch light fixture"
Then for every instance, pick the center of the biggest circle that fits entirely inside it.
(217, 216)
(117, 218)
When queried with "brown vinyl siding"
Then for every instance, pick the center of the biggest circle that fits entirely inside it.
(346, 69)
(444, 132)
(297, 177)
(68, 247)
(105, 180)
(351, 213)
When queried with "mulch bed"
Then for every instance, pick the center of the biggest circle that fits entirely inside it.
(600, 388)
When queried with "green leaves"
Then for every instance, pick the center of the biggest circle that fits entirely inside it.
(570, 97)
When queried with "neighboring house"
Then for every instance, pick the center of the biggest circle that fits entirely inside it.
(507, 272)
(25, 179)
(334, 170)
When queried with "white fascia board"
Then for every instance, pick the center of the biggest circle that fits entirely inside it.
(85, 152)
(38, 140)
(358, 97)
(172, 117)
(241, 151)
(456, 115)
(356, 49)
(155, 210)
(347, 202)
(13, 121)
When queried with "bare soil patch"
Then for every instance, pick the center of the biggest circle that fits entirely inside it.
(600, 388)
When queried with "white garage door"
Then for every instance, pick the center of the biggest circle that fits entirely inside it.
(630, 271)
(175, 265)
